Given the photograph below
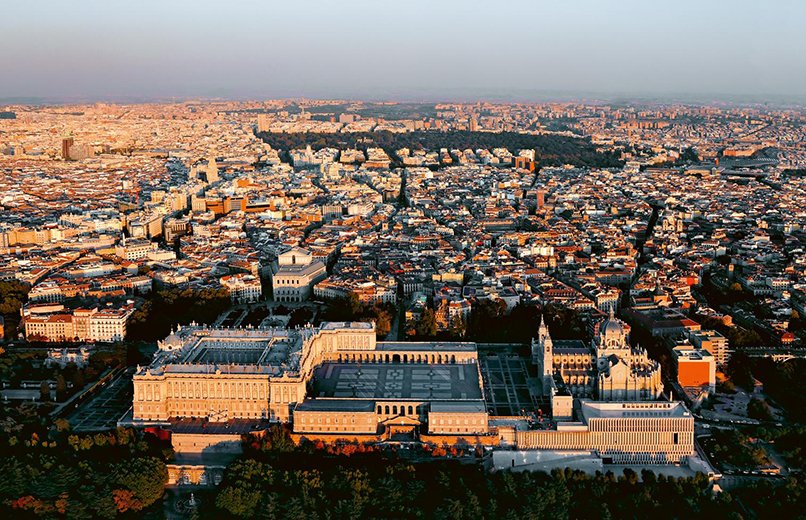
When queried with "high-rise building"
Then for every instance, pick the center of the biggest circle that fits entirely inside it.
(211, 170)
(263, 122)
(67, 142)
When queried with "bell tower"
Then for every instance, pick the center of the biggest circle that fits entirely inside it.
(543, 352)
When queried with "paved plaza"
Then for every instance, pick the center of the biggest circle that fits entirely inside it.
(102, 411)
(397, 381)
(507, 385)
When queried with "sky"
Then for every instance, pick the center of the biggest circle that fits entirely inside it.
(403, 50)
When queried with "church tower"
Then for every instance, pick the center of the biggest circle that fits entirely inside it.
(543, 353)
(212, 169)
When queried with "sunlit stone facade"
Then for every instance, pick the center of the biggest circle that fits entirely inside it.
(621, 432)
(222, 374)
(608, 369)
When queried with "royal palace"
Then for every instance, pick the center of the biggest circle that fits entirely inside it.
(336, 382)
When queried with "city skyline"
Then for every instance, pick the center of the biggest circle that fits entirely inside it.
(402, 259)
(738, 51)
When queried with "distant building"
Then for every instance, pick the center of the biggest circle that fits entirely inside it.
(105, 325)
(541, 199)
(67, 142)
(134, 249)
(66, 355)
(663, 322)
(525, 163)
(263, 122)
(242, 288)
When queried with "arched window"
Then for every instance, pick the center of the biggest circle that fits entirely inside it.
(411, 410)
(394, 409)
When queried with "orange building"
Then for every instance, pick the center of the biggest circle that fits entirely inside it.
(524, 163)
(695, 367)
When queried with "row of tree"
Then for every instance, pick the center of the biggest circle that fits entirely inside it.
(374, 487)
(13, 295)
(353, 309)
(166, 307)
(551, 150)
(277, 479)
(490, 321)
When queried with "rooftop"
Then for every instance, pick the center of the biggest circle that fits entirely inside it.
(426, 346)
(633, 409)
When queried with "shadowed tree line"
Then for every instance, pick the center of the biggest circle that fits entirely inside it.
(489, 322)
(353, 309)
(551, 150)
(13, 295)
(167, 307)
(383, 488)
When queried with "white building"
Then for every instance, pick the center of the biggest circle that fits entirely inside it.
(296, 274)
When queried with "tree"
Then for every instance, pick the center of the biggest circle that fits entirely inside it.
(427, 325)
(62, 425)
(44, 391)
(739, 370)
(78, 380)
(758, 409)
(61, 387)
(383, 321)
(144, 477)
(458, 326)
(239, 502)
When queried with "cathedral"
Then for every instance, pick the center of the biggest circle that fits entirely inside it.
(608, 369)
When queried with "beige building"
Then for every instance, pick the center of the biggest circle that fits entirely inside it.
(337, 382)
(360, 386)
(295, 275)
(713, 342)
(104, 325)
(134, 249)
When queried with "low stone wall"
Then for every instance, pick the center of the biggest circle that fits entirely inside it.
(206, 443)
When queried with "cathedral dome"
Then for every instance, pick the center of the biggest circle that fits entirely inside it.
(612, 333)
(612, 326)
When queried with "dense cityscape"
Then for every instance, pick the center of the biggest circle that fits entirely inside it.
(416, 260)
(243, 301)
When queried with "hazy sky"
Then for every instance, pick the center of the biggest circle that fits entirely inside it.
(407, 49)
